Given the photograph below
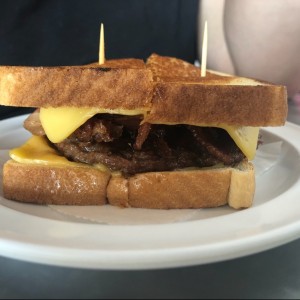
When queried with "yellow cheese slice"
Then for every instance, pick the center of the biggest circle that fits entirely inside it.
(245, 138)
(37, 151)
(59, 123)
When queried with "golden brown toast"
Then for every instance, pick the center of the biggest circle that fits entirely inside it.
(128, 86)
(182, 96)
(169, 90)
(54, 184)
(209, 187)
(121, 63)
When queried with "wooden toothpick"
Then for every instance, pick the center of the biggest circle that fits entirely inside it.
(101, 46)
(204, 51)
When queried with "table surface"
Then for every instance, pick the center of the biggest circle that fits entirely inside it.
(271, 274)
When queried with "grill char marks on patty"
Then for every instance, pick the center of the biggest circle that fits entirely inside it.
(122, 144)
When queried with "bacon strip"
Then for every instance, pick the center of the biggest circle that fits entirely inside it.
(142, 135)
(226, 152)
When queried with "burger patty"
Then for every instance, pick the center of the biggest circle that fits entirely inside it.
(122, 144)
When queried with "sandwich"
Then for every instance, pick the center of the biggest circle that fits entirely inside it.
(130, 133)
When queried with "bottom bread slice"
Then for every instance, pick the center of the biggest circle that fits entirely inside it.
(44, 184)
(210, 187)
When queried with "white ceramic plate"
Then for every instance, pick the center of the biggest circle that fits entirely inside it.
(145, 239)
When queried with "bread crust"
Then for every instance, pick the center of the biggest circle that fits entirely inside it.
(182, 96)
(42, 184)
(178, 189)
(211, 105)
(169, 90)
(78, 86)
(210, 187)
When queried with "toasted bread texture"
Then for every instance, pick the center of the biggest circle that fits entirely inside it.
(211, 187)
(182, 96)
(169, 90)
(128, 86)
(55, 184)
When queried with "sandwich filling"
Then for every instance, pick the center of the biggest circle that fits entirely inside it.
(126, 144)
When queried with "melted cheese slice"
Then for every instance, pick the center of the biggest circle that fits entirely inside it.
(245, 138)
(59, 123)
(37, 151)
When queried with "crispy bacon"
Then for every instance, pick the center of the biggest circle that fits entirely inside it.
(98, 130)
(142, 135)
(217, 143)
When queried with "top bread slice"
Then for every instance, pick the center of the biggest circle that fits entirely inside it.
(181, 95)
(168, 90)
(117, 84)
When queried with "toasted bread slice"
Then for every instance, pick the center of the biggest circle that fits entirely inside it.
(182, 96)
(168, 90)
(117, 84)
(210, 187)
(54, 184)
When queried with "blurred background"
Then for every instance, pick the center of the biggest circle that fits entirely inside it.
(59, 32)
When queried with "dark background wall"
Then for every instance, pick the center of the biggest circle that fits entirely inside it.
(60, 32)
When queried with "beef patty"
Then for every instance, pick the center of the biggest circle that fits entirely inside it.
(121, 144)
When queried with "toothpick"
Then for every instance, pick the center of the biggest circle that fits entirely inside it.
(101, 46)
(204, 51)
